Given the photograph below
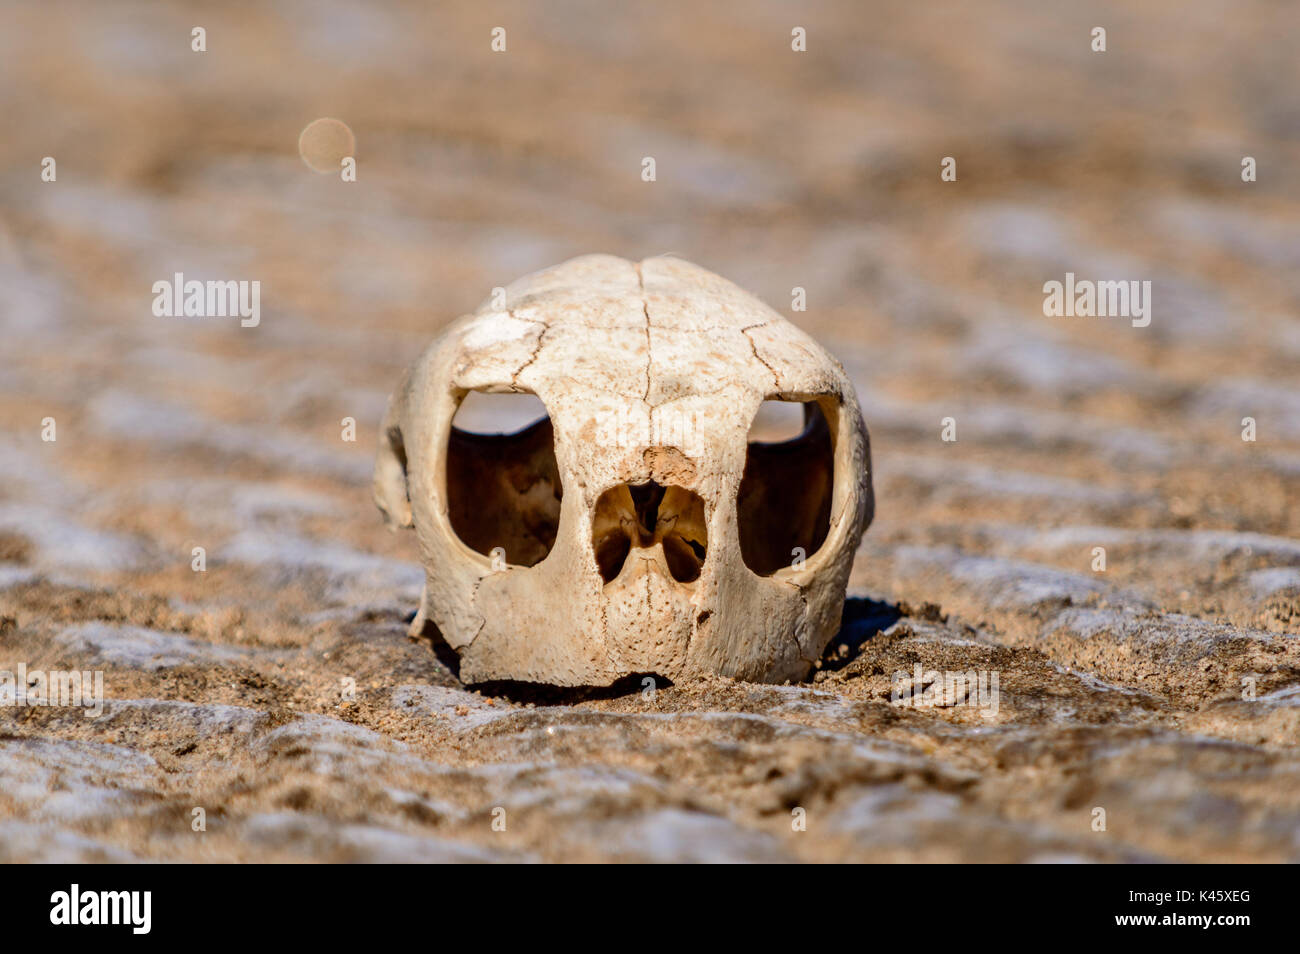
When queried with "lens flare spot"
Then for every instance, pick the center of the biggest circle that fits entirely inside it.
(324, 144)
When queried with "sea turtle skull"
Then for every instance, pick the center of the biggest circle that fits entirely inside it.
(636, 529)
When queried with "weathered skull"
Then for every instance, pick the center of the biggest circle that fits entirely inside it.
(637, 530)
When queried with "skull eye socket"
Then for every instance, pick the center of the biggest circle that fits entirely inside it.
(784, 502)
(503, 483)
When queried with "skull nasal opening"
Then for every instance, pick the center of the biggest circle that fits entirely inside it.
(642, 516)
(503, 483)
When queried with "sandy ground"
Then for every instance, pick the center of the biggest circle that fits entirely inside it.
(1150, 711)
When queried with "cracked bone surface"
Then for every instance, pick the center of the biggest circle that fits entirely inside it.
(638, 528)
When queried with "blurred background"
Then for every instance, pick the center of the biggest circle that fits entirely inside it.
(774, 168)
